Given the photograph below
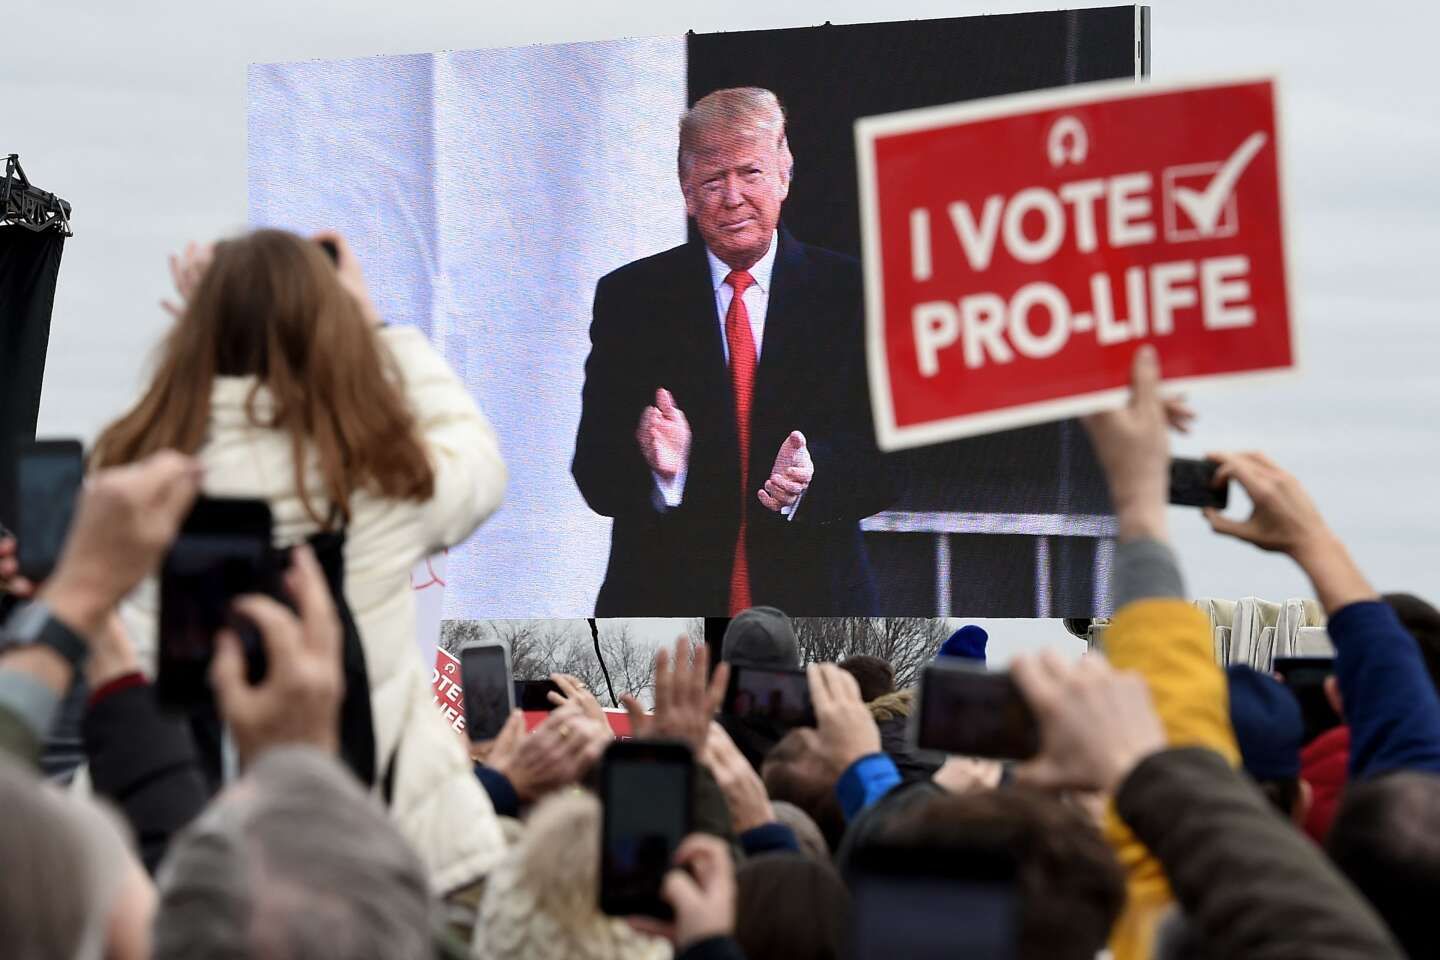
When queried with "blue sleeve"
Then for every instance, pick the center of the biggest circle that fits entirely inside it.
(1390, 703)
(768, 838)
(865, 781)
(502, 793)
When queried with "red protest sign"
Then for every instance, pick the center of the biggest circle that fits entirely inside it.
(1017, 250)
(449, 697)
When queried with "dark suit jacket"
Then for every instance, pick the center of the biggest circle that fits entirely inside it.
(655, 325)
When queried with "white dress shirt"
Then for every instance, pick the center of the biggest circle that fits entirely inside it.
(669, 493)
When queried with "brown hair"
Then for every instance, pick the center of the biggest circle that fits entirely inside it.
(789, 905)
(271, 306)
(1069, 886)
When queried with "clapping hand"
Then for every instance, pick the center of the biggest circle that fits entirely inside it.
(791, 474)
(664, 436)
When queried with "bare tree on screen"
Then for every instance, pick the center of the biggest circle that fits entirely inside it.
(907, 643)
(539, 648)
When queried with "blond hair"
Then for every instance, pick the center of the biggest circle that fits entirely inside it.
(740, 112)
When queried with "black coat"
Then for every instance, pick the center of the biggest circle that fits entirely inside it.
(655, 325)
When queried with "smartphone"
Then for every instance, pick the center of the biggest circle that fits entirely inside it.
(970, 711)
(1192, 484)
(647, 797)
(488, 685)
(1305, 676)
(926, 903)
(223, 551)
(779, 696)
(534, 695)
(48, 475)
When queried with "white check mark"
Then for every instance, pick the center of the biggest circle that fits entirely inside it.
(1205, 206)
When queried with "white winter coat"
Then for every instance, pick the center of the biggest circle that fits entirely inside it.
(437, 802)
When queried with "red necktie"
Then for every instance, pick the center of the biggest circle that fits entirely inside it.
(742, 382)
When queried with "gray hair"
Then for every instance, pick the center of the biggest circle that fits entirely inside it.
(293, 861)
(64, 860)
(752, 111)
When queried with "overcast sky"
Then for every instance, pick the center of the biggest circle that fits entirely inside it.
(136, 114)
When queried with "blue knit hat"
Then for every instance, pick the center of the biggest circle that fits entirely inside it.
(1267, 722)
(968, 643)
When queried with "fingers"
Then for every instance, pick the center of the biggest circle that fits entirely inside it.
(820, 698)
(1145, 377)
(1241, 529)
(227, 671)
(666, 403)
(635, 712)
(715, 693)
(279, 629)
(795, 442)
(664, 680)
(1039, 679)
(843, 685)
(770, 502)
(1178, 414)
(801, 475)
(781, 487)
(311, 592)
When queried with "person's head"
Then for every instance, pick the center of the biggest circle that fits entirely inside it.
(69, 885)
(807, 832)
(296, 861)
(967, 643)
(271, 306)
(540, 900)
(875, 676)
(735, 168)
(1270, 732)
(791, 906)
(1423, 622)
(1386, 839)
(795, 771)
(761, 637)
(1069, 888)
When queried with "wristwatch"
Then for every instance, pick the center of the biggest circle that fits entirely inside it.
(35, 623)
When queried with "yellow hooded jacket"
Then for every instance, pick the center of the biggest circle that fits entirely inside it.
(1168, 642)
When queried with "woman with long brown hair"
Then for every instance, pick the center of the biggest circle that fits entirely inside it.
(280, 379)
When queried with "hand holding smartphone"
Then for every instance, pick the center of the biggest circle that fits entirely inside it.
(223, 551)
(1192, 484)
(973, 712)
(1306, 676)
(776, 696)
(488, 687)
(647, 797)
(48, 477)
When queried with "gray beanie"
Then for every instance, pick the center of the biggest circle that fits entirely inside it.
(761, 636)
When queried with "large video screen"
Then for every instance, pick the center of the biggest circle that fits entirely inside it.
(639, 255)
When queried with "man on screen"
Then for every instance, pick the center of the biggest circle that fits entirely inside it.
(726, 418)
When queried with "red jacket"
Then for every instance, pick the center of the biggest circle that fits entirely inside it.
(1323, 764)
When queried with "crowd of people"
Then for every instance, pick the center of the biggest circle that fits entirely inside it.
(1171, 810)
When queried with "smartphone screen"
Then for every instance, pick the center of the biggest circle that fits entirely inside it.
(1305, 676)
(488, 687)
(1191, 484)
(534, 695)
(969, 711)
(910, 907)
(646, 790)
(48, 478)
(223, 551)
(781, 697)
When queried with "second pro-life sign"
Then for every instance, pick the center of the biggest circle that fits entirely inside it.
(1017, 250)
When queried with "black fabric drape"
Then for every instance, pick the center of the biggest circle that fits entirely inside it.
(29, 265)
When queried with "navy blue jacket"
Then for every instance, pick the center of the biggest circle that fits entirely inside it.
(1390, 703)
